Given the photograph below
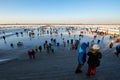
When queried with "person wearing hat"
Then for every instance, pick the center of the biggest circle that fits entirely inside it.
(81, 57)
(93, 59)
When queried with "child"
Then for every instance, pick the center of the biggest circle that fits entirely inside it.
(93, 60)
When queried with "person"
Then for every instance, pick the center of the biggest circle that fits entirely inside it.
(40, 48)
(29, 54)
(20, 44)
(36, 48)
(71, 41)
(98, 41)
(47, 48)
(64, 43)
(44, 45)
(81, 57)
(52, 48)
(111, 44)
(33, 54)
(76, 44)
(117, 50)
(4, 37)
(93, 59)
(11, 45)
(67, 41)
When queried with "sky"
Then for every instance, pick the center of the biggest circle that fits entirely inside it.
(60, 11)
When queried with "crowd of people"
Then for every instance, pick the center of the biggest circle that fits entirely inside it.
(94, 54)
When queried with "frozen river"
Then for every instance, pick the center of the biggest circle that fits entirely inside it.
(43, 34)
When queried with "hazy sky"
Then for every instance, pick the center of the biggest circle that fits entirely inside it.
(60, 11)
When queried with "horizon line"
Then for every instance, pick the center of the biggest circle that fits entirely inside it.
(56, 24)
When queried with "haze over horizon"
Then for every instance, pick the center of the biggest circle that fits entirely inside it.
(60, 11)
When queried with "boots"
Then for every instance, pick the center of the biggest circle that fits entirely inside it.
(78, 71)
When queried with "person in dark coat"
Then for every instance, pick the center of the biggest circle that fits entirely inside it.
(81, 57)
(40, 48)
(93, 61)
(117, 50)
(4, 37)
(12, 45)
(48, 48)
(98, 41)
(111, 45)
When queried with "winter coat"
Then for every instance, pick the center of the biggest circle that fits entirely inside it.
(118, 48)
(82, 53)
(93, 60)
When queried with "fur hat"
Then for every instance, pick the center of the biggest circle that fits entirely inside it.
(96, 47)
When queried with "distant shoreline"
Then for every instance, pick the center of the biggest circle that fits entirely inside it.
(55, 24)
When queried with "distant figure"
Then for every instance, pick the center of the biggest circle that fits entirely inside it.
(111, 44)
(33, 54)
(95, 36)
(64, 43)
(58, 44)
(51, 33)
(50, 45)
(30, 54)
(61, 34)
(51, 39)
(117, 50)
(54, 41)
(46, 42)
(11, 45)
(48, 48)
(69, 34)
(17, 34)
(36, 48)
(71, 41)
(98, 41)
(20, 44)
(40, 48)
(47, 32)
(52, 49)
(21, 32)
(76, 44)
(81, 57)
(67, 41)
(44, 46)
(4, 37)
(3, 32)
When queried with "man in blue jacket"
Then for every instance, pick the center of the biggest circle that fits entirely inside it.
(81, 57)
(117, 50)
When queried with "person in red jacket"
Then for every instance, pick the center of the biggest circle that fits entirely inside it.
(33, 54)
(29, 54)
(93, 60)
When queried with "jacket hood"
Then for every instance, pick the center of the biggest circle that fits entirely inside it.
(83, 47)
